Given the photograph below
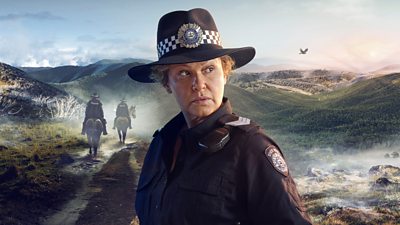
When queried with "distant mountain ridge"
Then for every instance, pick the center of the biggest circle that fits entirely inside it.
(69, 73)
(303, 81)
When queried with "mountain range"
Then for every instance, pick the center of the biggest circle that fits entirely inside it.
(68, 73)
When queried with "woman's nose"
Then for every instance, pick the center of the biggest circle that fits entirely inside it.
(198, 82)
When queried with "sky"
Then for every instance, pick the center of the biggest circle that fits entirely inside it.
(356, 35)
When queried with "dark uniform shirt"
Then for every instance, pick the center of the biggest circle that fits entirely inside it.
(94, 110)
(122, 110)
(227, 172)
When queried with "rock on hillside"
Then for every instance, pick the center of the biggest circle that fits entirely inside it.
(25, 97)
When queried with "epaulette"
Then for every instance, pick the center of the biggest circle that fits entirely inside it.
(237, 121)
(241, 121)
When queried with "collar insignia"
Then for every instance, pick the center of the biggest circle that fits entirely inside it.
(274, 156)
(190, 35)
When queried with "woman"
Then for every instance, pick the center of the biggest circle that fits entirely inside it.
(207, 165)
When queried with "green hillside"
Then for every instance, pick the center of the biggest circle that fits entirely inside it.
(355, 117)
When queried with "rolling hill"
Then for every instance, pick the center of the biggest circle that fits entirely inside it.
(21, 96)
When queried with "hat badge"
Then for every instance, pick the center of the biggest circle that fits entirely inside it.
(190, 35)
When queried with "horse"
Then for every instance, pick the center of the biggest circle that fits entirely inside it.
(93, 129)
(122, 124)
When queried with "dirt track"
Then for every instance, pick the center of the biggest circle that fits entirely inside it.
(114, 187)
(107, 195)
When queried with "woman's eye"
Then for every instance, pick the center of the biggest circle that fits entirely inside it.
(209, 69)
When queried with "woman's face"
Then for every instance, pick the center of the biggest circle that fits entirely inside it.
(198, 88)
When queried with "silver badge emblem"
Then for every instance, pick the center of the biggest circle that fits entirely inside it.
(276, 159)
(190, 35)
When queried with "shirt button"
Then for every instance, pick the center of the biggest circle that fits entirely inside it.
(157, 206)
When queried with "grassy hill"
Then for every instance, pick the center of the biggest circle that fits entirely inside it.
(357, 116)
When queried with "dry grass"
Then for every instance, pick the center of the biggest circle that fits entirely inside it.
(30, 155)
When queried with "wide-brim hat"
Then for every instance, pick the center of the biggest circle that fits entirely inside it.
(95, 95)
(187, 37)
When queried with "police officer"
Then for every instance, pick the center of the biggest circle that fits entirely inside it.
(208, 165)
(123, 111)
(94, 110)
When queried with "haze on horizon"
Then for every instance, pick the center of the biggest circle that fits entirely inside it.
(355, 35)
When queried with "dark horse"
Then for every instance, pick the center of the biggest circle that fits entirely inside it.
(122, 124)
(94, 128)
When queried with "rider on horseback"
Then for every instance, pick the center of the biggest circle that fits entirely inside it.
(94, 110)
(122, 111)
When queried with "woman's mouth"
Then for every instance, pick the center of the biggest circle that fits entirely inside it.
(200, 100)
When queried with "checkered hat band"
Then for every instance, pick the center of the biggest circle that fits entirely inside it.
(172, 43)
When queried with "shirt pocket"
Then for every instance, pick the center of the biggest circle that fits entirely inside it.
(201, 196)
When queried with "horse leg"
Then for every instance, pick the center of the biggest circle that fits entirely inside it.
(90, 144)
(119, 135)
(124, 136)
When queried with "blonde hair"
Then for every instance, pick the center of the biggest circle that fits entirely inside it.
(160, 72)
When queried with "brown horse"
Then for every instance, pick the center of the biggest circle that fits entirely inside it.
(93, 129)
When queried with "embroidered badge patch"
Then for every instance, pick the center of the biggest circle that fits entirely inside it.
(274, 156)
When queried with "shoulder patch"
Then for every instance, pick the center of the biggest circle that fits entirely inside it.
(239, 122)
(274, 156)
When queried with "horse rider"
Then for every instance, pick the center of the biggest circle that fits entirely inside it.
(94, 110)
(123, 111)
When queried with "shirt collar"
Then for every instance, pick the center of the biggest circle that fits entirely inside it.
(210, 123)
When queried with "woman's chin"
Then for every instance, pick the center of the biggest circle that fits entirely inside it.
(201, 111)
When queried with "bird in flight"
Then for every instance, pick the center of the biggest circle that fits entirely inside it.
(303, 52)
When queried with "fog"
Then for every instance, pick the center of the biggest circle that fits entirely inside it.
(346, 180)
(362, 160)
(151, 113)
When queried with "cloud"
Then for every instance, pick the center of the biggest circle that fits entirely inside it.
(24, 51)
(342, 9)
(36, 16)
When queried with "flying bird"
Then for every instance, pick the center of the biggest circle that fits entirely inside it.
(303, 52)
